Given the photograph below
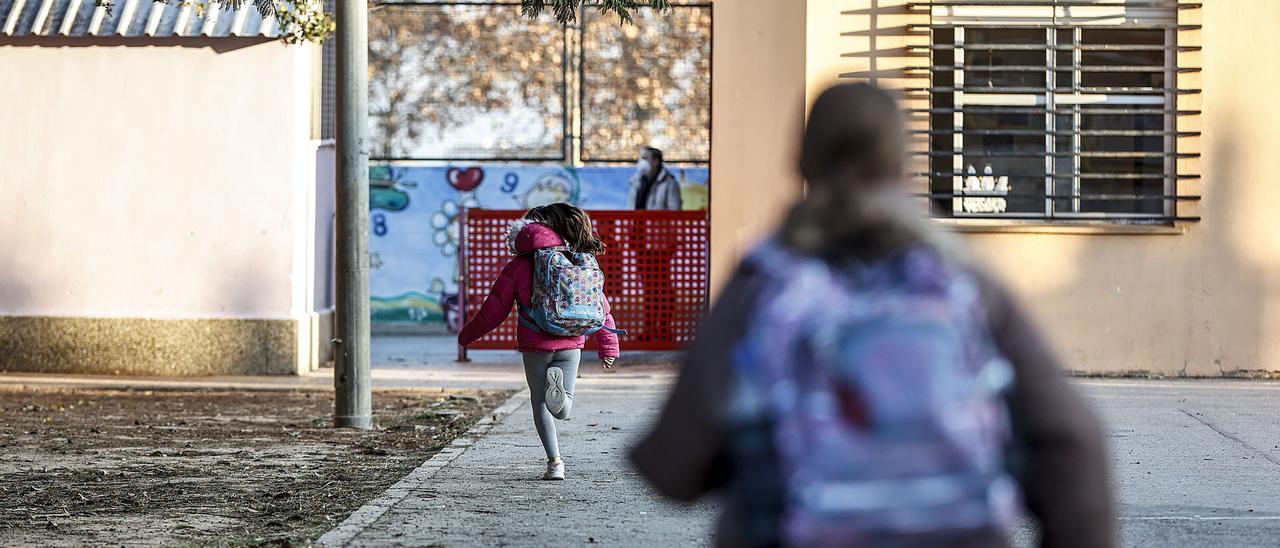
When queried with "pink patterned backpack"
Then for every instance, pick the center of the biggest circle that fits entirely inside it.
(568, 294)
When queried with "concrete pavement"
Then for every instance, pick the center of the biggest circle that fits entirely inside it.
(1196, 464)
(491, 494)
(1196, 461)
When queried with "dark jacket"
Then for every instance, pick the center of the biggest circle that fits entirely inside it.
(664, 191)
(1065, 482)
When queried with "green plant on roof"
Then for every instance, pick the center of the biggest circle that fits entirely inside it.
(566, 11)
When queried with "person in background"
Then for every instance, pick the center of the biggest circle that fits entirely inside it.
(859, 382)
(653, 186)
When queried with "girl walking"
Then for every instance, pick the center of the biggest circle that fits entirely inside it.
(553, 240)
(860, 383)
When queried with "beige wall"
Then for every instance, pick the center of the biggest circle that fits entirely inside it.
(174, 181)
(757, 112)
(1204, 300)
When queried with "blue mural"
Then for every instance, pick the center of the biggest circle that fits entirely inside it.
(414, 213)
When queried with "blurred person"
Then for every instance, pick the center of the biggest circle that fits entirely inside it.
(654, 187)
(859, 383)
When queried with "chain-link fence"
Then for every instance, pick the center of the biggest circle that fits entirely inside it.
(476, 81)
(647, 84)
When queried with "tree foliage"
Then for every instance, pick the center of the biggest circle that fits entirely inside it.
(469, 82)
(647, 84)
(435, 69)
(565, 11)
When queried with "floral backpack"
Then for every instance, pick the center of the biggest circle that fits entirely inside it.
(568, 294)
(868, 406)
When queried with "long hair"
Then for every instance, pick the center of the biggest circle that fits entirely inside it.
(571, 223)
(853, 156)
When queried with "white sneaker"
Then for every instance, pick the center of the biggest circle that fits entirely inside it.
(555, 396)
(555, 471)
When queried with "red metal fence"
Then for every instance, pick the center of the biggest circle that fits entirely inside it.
(655, 266)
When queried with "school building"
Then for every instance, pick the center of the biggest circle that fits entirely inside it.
(1121, 155)
(168, 175)
(167, 192)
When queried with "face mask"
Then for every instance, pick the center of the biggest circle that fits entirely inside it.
(642, 166)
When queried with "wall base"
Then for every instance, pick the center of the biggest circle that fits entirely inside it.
(132, 346)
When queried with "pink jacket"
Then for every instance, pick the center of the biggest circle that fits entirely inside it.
(515, 285)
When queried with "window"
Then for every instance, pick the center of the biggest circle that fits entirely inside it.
(1061, 110)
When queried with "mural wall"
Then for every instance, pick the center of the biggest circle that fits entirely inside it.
(414, 212)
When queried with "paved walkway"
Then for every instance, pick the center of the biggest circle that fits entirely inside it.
(1196, 464)
(486, 491)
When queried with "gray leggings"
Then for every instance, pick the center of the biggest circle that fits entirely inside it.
(535, 373)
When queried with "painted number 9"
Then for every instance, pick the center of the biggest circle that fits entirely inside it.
(509, 182)
(379, 224)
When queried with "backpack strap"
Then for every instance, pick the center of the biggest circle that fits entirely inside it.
(523, 314)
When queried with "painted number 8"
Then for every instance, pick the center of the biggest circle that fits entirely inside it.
(380, 224)
(509, 182)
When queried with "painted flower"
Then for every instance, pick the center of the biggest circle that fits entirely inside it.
(445, 222)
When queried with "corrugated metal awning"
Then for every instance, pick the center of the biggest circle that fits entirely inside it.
(130, 18)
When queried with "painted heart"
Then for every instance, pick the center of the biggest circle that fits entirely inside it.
(465, 180)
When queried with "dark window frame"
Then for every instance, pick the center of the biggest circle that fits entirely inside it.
(1071, 152)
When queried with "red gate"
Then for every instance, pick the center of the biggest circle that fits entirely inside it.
(655, 265)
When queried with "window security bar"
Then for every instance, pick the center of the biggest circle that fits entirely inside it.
(1166, 4)
(1070, 196)
(1068, 175)
(1018, 154)
(1062, 89)
(1069, 109)
(1038, 47)
(1059, 133)
(949, 26)
(1043, 68)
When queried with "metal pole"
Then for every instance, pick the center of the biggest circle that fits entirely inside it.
(466, 278)
(353, 405)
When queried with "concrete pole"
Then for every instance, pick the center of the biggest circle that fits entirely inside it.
(353, 400)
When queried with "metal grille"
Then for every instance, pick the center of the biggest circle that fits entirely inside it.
(655, 268)
(465, 81)
(1054, 109)
(607, 91)
(647, 84)
(328, 75)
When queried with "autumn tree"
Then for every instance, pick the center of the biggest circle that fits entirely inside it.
(463, 81)
(647, 83)
(436, 72)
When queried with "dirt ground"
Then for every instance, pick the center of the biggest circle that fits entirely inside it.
(116, 468)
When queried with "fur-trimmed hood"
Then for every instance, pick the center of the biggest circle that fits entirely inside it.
(527, 236)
